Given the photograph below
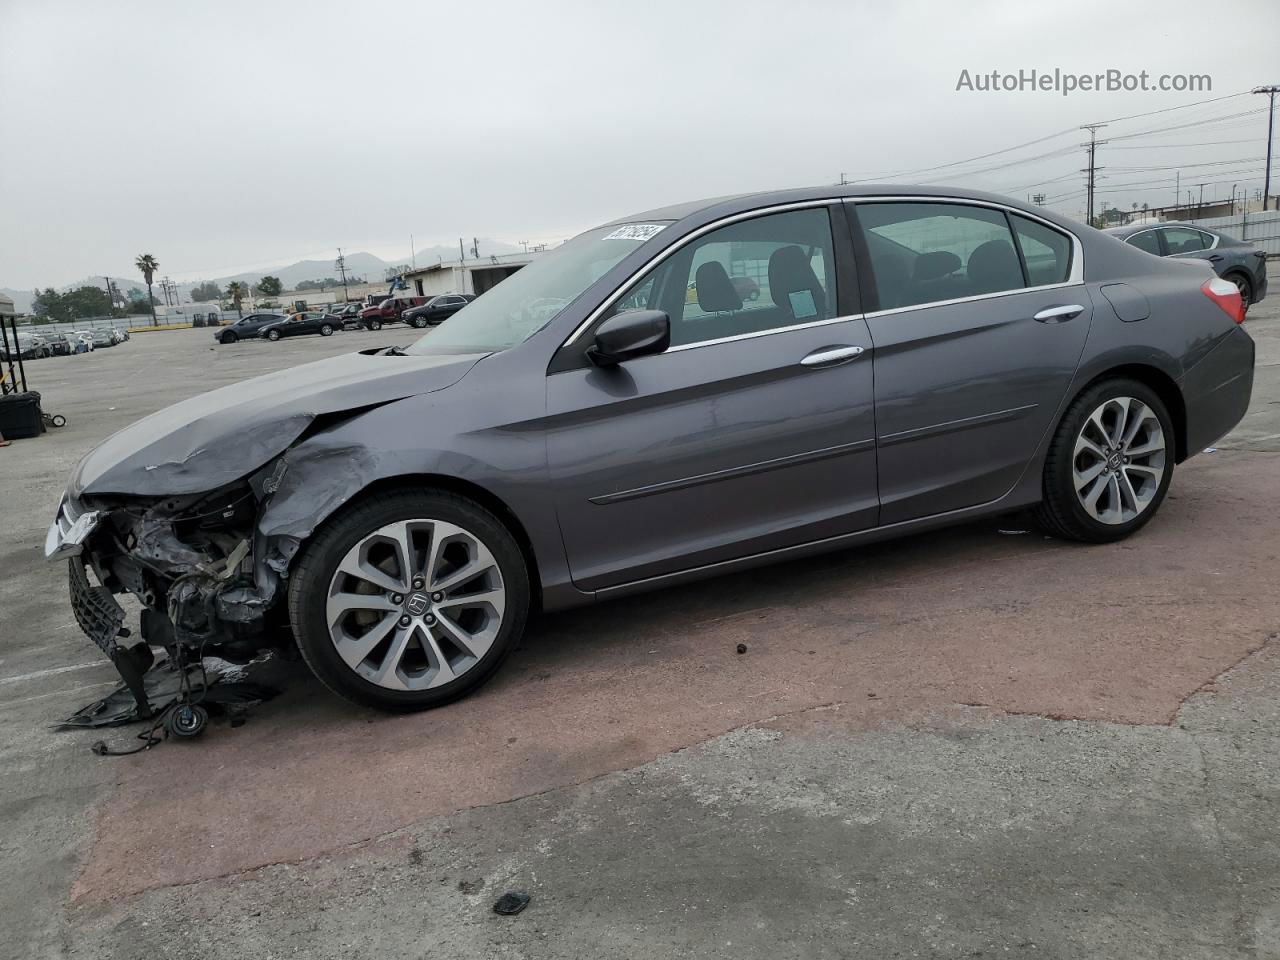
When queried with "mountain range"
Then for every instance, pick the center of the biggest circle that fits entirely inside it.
(363, 265)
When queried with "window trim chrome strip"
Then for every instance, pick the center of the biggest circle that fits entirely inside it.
(761, 333)
(872, 314)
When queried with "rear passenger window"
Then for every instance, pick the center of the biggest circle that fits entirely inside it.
(1182, 240)
(927, 252)
(1045, 251)
(1147, 240)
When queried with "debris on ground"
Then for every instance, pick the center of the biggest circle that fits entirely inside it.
(217, 685)
(1011, 533)
(1210, 449)
(511, 903)
(742, 648)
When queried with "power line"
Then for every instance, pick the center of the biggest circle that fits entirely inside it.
(1183, 106)
(956, 163)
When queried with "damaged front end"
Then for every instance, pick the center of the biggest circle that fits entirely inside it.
(194, 564)
(174, 509)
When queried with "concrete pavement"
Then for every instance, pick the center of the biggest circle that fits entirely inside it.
(973, 743)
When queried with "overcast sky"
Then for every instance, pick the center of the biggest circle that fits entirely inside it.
(223, 136)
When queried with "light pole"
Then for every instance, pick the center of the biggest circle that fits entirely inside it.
(1270, 90)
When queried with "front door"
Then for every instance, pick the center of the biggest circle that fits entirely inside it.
(980, 319)
(753, 431)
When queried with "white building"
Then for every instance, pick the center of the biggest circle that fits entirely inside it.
(463, 276)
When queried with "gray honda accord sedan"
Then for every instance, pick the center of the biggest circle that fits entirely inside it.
(616, 417)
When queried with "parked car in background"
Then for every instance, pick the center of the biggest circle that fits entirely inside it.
(30, 346)
(302, 324)
(1236, 260)
(85, 337)
(247, 327)
(102, 338)
(388, 311)
(436, 310)
(59, 345)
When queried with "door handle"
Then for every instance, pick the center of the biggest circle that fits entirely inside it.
(1059, 314)
(830, 356)
(1215, 257)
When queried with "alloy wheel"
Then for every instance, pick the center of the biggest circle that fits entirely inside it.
(415, 604)
(1119, 460)
(1245, 292)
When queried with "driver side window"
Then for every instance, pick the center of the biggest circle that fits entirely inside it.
(756, 275)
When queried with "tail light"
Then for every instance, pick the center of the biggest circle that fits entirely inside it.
(1227, 296)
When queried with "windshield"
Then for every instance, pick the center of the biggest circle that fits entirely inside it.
(525, 302)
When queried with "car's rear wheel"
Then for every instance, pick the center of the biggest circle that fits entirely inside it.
(229, 338)
(409, 600)
(1109, 464)
(1245, 287)
(326, 330)
(273, 334)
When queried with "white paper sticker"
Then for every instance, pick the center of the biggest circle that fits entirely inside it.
(802, 305)
(636, 231)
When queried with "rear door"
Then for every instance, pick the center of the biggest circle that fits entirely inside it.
(978, 316)
(752, 432)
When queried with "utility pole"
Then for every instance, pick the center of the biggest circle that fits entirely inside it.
(1177, 189)
(1038, 199)
(462, 254)
(413, 255)
(1200, 202)
(844, 179)
(1092, 169)
(341, 266)
(1270, 90)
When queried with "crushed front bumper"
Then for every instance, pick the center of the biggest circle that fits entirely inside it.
(69, 530)
(95, 608)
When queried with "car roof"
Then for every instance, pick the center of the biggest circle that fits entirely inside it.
(713, 207)
(1132, 228)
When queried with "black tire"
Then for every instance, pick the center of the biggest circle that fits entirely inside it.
(229, 338)
(419, 322)
(1060, 513)
(1245, 287)
(273, 335)
(326, 331)
(313, 572)
(375, 324)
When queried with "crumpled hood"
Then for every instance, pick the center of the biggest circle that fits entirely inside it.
(218, 437)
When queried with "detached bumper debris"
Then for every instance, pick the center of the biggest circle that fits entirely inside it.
(511, 903)
(220, 688)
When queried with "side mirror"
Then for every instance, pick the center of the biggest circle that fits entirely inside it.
(635, 333)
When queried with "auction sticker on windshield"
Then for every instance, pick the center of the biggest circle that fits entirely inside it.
(636, 231)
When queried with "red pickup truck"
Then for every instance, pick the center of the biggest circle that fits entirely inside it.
(388, 311)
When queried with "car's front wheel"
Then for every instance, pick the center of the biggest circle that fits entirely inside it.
(1109, 464)
(419, 322)
(409, 600)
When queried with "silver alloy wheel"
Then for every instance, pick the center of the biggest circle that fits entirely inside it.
(415, 604)
(1119, 460)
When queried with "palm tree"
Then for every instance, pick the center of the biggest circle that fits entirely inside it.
(148, 265)
(235, 290)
